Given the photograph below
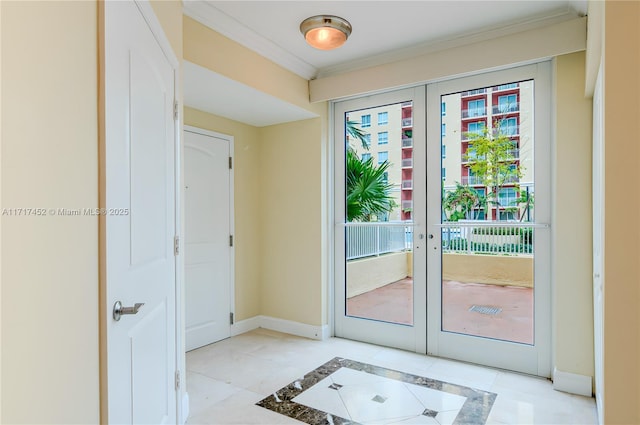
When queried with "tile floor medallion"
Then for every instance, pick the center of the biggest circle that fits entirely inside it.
(344, 391)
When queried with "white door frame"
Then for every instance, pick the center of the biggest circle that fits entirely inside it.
(232, 231)
(155, 26)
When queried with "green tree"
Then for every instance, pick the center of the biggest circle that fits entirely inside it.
(493, 160)
(368, 192)
(357, 133)
(459, 203)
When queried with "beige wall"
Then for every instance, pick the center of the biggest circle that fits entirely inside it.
(490, 269)
(621, 232)
(169, 13)
(572, 224)
(292, 221)
(367, 274)
(50, 264)
(247, 175)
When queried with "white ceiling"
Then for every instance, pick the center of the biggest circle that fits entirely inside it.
(383, 31)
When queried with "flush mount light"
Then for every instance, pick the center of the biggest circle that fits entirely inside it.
(325, 32)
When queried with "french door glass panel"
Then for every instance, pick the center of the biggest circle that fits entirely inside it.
(488, 263)
(379, 191)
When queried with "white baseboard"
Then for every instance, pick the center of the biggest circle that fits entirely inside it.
(280, 325)
(572, 383)
(246, 325)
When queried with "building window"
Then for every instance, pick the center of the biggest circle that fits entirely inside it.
(444, 173)
(509, 126)
(476, 108)
(508, 103)
(444, 151)
(383, 156)
(367, 139)
(476, 128)
(443, 108)
(507, 215)
(383, 118)
(385, 177)
(365, 157)
(383, 138)
(365, 121)
(507, 197)
(444, 129)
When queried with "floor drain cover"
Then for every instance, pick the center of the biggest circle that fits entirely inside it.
(485, 309)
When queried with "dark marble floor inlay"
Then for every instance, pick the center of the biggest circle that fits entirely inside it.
(475, 409)
(430, 413)
(379, 399)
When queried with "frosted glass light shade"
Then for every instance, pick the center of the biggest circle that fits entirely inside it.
(325, 32)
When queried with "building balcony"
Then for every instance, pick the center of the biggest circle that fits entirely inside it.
(407, 163)
(407, 184)
(506, 109)
(407, 122)
(474, 113)
(471, 180)
(407, 142)
(407, 205)
(475, 92)
(406, 104)
(506, 87)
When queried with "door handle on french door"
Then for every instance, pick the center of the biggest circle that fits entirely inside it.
(118, 310)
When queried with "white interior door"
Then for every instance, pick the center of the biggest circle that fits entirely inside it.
(488, 215)
(208, 244)
(138, 223)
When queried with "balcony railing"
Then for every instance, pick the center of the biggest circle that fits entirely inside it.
(407, 184)
(471, 180)
(407, 122)
(374, 239)
(407, 205)
(506, 109)
(407, 163)
(485, 237)
(472, 156)
(473, 113)
(407, 142)
(473, 92)
(504, 87)
(509, 131)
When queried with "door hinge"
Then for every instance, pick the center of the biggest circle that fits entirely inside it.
(177, 380)
(176, 245)
(175, 110)
(230, 240)
(230, 163)
(231, 318)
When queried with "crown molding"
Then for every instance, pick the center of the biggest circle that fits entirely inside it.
(532, 22)
(214, 18)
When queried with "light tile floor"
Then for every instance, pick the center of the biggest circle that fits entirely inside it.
(225, 380)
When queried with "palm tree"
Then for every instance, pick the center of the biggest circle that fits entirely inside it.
(460, 203)
(368, 192)
(357, 133)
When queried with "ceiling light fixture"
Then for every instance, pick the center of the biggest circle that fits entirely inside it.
(325, 32)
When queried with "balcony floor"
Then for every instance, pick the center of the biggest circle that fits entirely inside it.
(501, 312)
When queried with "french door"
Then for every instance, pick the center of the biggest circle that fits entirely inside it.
(442, 219)
(380, 262)
(489, 186)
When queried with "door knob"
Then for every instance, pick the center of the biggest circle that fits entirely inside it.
(118, 310)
